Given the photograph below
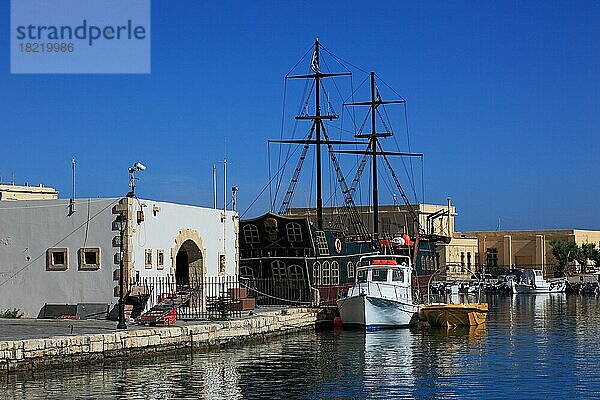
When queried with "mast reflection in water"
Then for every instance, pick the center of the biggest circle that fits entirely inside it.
(532, 347)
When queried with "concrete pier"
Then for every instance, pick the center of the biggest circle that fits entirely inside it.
(33, 353)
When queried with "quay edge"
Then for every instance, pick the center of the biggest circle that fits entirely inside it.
(31, 354)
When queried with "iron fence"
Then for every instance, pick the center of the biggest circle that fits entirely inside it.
(215, 298)
(271, 291)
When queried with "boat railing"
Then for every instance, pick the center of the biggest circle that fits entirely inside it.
(384, 290)
(445, 268)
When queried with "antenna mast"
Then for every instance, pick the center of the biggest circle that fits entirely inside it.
(72, 200)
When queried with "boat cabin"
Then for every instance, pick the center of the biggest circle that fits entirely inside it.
(388, 276)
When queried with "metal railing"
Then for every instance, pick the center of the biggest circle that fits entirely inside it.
(217, 297)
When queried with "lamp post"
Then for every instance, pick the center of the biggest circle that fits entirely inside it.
(122, 224)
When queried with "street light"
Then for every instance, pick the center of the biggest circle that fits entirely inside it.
(121, 224)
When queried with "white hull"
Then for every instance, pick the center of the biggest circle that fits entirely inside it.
(373, 312)
(519, 288)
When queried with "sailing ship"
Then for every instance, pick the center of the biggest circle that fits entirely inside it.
(309, 261)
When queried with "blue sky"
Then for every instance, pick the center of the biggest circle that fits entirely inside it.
(503, 100)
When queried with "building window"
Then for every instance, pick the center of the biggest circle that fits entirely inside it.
(57, 259)
(317, 274)
(321, 243)
(492, 257)
(469, 260)
(326, 274)
(294, 232)
(222, 264)
(278, 270)
(160, 259)
(251, 234)
(350, 270)
(335, 273)
(462, 259)
(148, 258)
(89, 258)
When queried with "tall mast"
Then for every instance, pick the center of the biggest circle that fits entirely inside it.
(375, 102)
(374, 157)
(317, 75)
(315, 66)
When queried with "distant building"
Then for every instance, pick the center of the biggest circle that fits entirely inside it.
(16, 192)
(393, 219)
(460, 254)
(526, 248)
(52, 254)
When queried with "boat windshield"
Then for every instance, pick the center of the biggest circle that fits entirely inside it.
(361, 276)
(379, 275)
(397, 275)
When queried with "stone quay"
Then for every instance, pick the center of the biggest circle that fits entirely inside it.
(41, 352)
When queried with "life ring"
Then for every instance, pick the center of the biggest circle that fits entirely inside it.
(551, 286)
(338, 245)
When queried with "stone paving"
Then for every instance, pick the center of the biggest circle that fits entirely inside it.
(30, 328)
(30, 343)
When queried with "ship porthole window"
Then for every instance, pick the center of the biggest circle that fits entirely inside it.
(296, 275)
(321, 243)
(251, 233)
(335, 273)
(350, 270)
(326, 274)
(278, 270)
(317, 273)
(246, 272)
(294, 231)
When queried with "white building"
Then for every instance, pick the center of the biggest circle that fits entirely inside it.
(50, 255)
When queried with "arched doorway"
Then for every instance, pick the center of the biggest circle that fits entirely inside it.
(188, 264)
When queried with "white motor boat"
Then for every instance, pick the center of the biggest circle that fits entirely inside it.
(382, 295)
(534, 283)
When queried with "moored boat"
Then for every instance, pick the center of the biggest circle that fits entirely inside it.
(452, 315)
(382, 296)
(534, 283)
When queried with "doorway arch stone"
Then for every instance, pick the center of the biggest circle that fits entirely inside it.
(189, 255)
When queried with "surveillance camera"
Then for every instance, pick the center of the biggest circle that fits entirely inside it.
(139, 166)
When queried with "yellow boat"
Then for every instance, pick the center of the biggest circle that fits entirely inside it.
(451, 315)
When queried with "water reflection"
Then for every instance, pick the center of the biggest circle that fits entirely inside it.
(531, 347)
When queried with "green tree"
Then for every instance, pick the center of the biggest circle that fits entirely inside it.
(564, 252)
(586, 252)
(596, 258)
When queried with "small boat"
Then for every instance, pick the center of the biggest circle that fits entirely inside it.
(382, 295)
(453, 315)
(534, 283)
(589, 288)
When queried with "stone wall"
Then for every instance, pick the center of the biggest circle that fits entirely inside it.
(30, 354)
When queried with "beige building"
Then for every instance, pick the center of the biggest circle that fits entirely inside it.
(527, 249)
(393, 219)
(461, 256)
(490, 252)
(16, 192)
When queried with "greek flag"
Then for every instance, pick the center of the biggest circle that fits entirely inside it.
(314, 64)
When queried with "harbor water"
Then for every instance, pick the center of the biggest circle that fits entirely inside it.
(533, 346)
